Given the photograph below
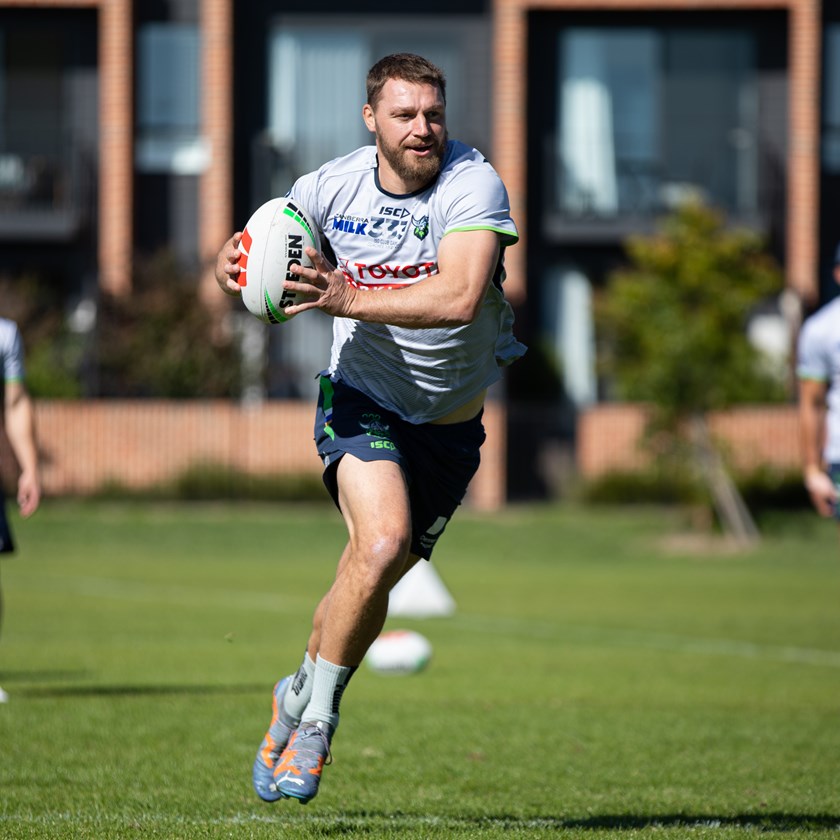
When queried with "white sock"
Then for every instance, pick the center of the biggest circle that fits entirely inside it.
(327, 689)
(300, 690)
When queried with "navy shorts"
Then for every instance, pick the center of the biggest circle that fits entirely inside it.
(7, 544)
(438, 461)
(834, 473)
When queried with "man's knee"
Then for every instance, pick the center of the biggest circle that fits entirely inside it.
(380, 555)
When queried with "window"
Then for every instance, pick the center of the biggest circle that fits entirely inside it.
(48, 126)
(316, 86)
(648, 116)
(168, 102)
(609, 139)
(831, 108)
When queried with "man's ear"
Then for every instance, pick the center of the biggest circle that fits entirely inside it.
(369, 118)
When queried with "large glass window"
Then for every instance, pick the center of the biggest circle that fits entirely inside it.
(647, 116)
(34, 120)
(831, 109)
(48, 128)
(168, 101)
(316, 85)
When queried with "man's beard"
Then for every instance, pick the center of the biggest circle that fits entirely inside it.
(411, 168)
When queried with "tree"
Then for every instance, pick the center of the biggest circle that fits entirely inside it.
(159, 340)
(673, 326)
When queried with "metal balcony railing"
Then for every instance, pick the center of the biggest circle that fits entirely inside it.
(45, 197)
(642, 191)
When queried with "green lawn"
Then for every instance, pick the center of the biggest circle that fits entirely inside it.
(596, 681)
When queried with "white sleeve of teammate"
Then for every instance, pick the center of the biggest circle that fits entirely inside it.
(11, 351)
(811, 361)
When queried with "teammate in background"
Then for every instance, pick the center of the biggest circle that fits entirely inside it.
(818, 370)
(420, 331)
(19, 421)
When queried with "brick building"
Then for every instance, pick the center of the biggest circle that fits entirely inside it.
(166, 168)
(131, 127)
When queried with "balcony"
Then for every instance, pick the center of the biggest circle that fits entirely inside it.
(621, 197)
(45, 198)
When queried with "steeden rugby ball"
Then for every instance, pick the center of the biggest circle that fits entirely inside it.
(399, 652)
(272, 242)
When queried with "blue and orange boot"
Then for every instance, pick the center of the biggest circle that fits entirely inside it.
(297, 773)
(279, 732)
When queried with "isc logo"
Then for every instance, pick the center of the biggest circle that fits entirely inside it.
(394, 212)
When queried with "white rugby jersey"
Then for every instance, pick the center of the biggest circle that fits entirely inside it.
(381, 241)
(818, 357)
(11, 351)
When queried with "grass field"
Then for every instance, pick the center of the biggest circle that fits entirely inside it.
(597, 681)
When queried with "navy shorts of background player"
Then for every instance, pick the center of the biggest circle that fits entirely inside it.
(834, 474)
(438, 460)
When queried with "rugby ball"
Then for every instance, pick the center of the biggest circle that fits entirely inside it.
(399, 652)
(272, 242)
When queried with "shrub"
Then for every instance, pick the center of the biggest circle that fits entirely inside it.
(208, 482)
(764, 489)
(54, 354)
(161, 341)
(157, 341)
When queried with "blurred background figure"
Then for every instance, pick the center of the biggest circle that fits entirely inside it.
(818, 369)
(19, 422)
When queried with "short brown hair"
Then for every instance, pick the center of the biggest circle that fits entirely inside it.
(408, 68)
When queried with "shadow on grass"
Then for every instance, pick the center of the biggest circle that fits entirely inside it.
(43, 676)
(92, 691)
(764, 822)
(771, 821)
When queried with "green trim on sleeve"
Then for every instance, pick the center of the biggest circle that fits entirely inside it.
(510, 237)
(806, 372)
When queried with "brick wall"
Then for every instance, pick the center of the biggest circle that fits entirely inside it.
(84, 445)
(608, 438)
(215, 222)
(116, 145)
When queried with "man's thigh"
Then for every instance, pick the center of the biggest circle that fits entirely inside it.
(435, 462)
(373, 499)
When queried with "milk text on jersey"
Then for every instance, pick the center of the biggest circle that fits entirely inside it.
(357, 227)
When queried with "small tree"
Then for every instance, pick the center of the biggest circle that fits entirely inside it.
(673, 325)
(159, 340)
(53, 352)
